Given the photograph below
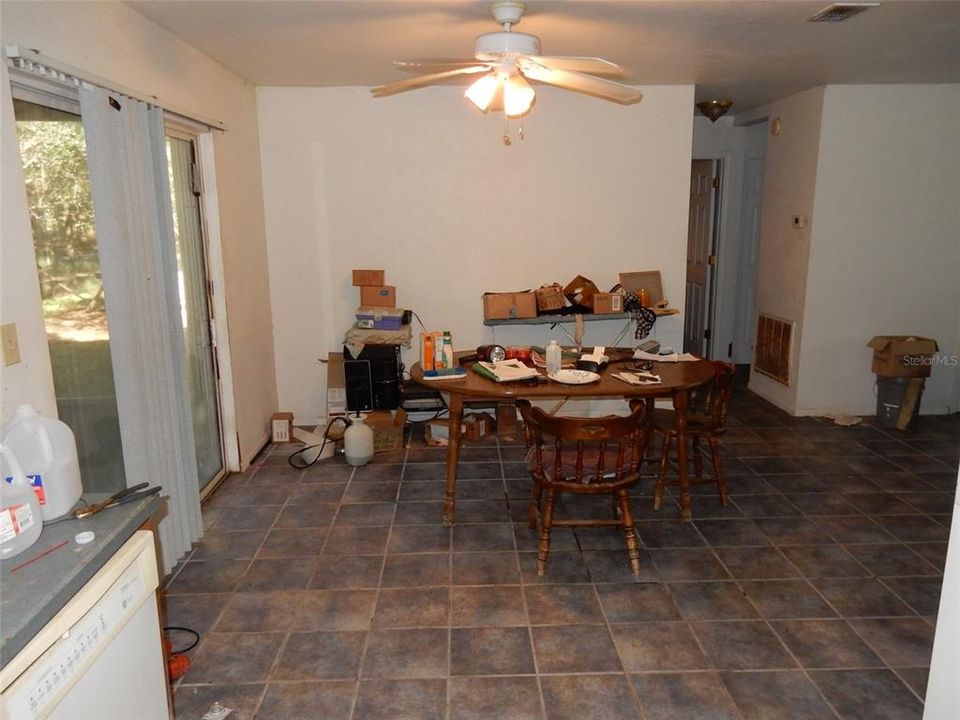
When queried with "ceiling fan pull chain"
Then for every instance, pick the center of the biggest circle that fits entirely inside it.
(506, 131)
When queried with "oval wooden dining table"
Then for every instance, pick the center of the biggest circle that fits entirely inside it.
(678, 378)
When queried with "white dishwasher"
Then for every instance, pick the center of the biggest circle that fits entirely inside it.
(100, 657)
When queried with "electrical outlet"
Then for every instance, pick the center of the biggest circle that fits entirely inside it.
(11, 344)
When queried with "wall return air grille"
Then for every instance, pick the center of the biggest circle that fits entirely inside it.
(772, 350)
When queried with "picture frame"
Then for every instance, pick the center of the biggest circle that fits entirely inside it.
(649, 279)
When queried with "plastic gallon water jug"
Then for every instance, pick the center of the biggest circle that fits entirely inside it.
(20, 519)
(358, 442)
(47, 452)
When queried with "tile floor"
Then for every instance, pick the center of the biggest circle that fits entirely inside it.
(337, 593)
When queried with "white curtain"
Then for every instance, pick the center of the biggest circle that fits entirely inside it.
(126, 154)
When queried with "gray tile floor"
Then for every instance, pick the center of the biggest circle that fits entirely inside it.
(337, 593)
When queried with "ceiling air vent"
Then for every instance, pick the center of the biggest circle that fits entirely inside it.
(838, 12)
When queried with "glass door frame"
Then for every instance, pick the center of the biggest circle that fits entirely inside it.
(216, 309)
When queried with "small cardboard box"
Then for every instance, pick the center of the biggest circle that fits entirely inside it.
(369, 278)
(387, 429)
(580, 291)
(477, 425)
(384, 296)
(550, 297)
(437, 432)
(902, 355)
(508, 306)
(607, 303)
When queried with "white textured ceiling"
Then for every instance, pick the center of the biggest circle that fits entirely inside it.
(751, 52)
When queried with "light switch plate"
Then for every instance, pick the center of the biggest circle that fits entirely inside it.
(11, 344)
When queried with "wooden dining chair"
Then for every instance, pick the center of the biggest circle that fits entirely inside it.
(582, 456)
(706, 419)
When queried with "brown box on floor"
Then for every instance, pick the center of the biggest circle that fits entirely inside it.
(384, 296)
(387, 429)
(508, 306)
(478, 425)
(902, 355)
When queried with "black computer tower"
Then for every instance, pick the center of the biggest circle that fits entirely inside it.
(372, 379)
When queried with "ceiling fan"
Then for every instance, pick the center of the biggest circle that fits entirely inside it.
(506, 61)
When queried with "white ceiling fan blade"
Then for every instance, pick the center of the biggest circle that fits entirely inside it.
(592, 65)
(421, 80)
(588, 84)
(434, 65)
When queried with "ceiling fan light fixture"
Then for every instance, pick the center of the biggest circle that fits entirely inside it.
(518, 96)
(481, 92)
(714, 109)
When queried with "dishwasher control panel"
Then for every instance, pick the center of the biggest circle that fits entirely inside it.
(43, 684)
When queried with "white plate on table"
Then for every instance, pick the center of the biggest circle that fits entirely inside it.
(574, 377)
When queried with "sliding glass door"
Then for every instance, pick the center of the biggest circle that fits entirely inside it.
(195, 315)
(54, 156)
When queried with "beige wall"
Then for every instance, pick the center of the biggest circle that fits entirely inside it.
(420, 185)
(790, 177)
(885, 251)
(109, 40)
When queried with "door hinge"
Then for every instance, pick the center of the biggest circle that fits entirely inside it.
(706, 334)
(196, 181)
(730, 350)
(711, 260)
(716, 182)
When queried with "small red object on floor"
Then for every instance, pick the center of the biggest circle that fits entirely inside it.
(177, 665)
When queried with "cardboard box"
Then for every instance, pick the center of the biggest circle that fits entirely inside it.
(369, 278)
(387, 429)
(508, 428)
(550, 297)
(607, 303)
(648, 280)
(902, 355)
(336, 386)
(477, 426)
(580, 291)
(437, 432)
(384, 296)
(281, 427)
(508, 306)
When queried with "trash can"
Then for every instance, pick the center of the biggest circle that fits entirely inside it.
(898, 401)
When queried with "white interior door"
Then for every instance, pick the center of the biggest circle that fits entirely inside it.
(699, 248)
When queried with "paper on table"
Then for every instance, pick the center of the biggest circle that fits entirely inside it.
(672, 357)
(638, 378)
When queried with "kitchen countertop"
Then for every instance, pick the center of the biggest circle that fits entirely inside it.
(32, 595)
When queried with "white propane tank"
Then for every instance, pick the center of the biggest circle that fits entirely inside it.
(358, 442)
(47, 452)
(20, 519)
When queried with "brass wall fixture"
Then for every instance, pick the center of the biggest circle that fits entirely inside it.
(714, 109)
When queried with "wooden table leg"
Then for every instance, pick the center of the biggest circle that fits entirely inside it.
(680, 410)
(455, 406)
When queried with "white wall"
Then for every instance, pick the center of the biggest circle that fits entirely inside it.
(112, 41)
(885, 251)
(788, 189)
(420, 185)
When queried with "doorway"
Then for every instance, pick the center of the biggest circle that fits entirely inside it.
(701, 255)
(199, 337)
